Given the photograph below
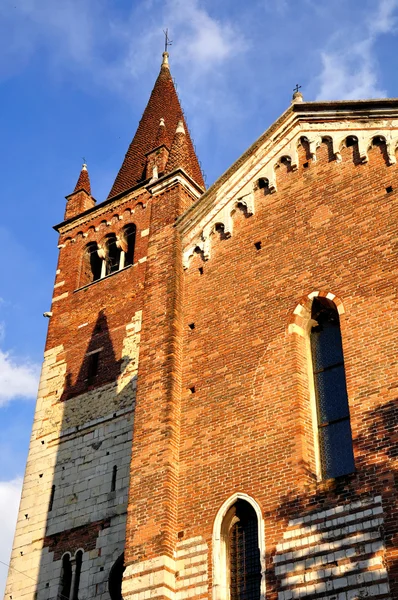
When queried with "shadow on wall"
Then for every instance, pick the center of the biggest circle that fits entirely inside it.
(87, 433)
(344, 529)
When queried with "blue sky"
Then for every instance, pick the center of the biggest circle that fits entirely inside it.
(75, 76)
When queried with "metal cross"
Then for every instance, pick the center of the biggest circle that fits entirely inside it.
(297, 88)
(167, 41)
(84, 159)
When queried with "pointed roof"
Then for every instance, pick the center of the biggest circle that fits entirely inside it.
(83, 183)
(163, 103)
(179, 153)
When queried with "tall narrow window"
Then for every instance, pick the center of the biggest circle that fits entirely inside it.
(91, 266)
(112, 255)
(51, 502)
(243, 554)
(129, 237)
(78, 570)
(334, 431)
(114, 475)
(92, 367)
(66, 578)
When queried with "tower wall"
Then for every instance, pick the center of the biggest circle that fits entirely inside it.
(83, 428)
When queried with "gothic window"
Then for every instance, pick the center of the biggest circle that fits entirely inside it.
(115, 579)
(129, 233)
(333, 418)
(66, 578)
(112, 259)
(91, 267)
(240, 531)
(78, 570)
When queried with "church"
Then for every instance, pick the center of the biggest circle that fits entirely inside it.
(217, 414)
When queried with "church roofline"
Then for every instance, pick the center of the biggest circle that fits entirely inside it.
(319, 110)
(102, 204)
(147, 184)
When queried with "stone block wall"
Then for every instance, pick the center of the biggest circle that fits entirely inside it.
(67, 501)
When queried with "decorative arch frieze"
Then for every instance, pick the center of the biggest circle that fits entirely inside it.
(263, 174)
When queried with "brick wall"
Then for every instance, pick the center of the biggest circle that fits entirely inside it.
(248, 426)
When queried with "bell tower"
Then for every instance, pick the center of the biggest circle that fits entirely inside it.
(111, 359)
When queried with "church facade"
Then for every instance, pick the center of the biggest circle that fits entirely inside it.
(217, 413)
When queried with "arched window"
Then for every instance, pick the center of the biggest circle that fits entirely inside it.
(92, 264)
(243, 554)
(66, 578)
(239, 551)
(78, 570)
(116, 578)
(128, 245)
(112, 258)
(333, 418)
(130, 233)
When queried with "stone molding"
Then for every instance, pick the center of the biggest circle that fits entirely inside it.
(220, 585)
(217, 209)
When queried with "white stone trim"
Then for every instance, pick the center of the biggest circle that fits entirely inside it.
(61, 297)
(163, 185)
(220, 586)
(265, 159)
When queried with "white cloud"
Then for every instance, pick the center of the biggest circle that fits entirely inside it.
(201, 38)
(10, 493)
(349, 68)
(17, 379)
(93, 37)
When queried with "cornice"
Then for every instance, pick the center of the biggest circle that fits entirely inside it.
(96, 211)
(158, 186)
(336, 121)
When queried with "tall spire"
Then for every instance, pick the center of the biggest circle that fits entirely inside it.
(163, 103)
(83, 183)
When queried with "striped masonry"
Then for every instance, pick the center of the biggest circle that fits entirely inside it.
(192, 578)
(335, 554)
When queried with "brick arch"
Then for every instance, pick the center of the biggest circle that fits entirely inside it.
(301, 316)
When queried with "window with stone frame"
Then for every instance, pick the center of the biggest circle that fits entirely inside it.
(333, 417)
(66, 578)
(240, 529)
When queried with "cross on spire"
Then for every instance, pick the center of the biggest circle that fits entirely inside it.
(167, 41)
(297, 88)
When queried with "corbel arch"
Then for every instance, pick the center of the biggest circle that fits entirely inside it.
(220, 549)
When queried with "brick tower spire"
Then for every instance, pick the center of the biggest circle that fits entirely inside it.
(163, 104)
(81, 199)
(83, 183)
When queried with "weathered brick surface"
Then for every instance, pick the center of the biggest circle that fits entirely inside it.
(163, 103)
(330, 227)
(213, 395)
